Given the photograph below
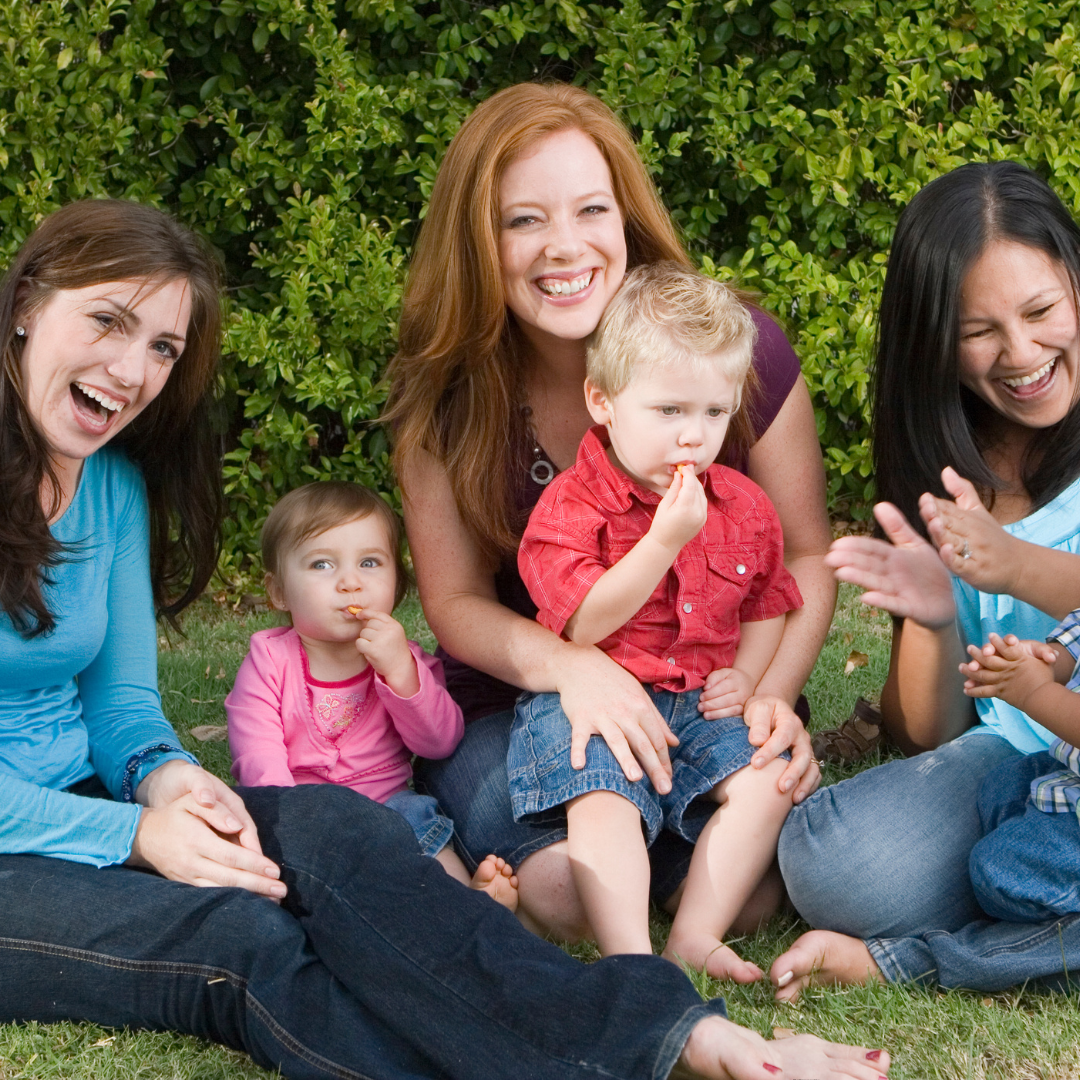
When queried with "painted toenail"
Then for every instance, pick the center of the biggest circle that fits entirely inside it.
(772, 1068)
(874, 1055)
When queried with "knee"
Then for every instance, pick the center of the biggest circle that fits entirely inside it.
(320, 824)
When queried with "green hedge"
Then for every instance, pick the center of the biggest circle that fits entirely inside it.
(302, 137)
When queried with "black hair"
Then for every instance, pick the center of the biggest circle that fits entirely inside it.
(923, 418)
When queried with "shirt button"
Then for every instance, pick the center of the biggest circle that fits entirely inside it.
(740, 569)
(688, 608)
(671, 659)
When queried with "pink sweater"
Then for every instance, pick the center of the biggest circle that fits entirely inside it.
(275, 741)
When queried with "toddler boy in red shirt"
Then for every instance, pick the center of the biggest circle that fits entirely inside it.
(672, 565)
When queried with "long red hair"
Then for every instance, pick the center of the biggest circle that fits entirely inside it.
(456, 380)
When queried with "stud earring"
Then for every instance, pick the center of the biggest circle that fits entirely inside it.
(20, 331)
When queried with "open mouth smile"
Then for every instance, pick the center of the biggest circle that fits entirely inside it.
(565, 287)
(93, 406)
(1025, 385)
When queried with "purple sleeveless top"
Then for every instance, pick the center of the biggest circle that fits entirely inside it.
(480, 694)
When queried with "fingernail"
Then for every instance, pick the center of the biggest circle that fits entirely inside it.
(758, 762)
(272, 871)
(785, 979)
(232, 823)
(874, 1055)
(771, 1068)
(787, 785)
(278, 891)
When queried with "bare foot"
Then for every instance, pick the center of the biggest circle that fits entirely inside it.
(705, 952)
(496, 877)
(822, 958)
(720, 1050)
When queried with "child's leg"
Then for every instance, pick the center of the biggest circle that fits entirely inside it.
(610, 864)
(1028, 868)
(735, 849)
(493, 876)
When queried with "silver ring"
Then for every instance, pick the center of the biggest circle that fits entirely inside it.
(965, 551)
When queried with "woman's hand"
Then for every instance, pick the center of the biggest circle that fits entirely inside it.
(195, 828)
(601, 698)
(905, 577)
(774, 728)
(969, 541)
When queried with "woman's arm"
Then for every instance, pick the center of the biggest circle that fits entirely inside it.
(923, 702)
(978, 550)
(458, 593)
(786, 463)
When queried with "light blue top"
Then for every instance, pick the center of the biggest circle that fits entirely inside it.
(1056, 525)
(84, 698)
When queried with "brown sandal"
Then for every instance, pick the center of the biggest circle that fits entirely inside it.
(856, 737)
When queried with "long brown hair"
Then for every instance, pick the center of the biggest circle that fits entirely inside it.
(90, 243)
(455, 382)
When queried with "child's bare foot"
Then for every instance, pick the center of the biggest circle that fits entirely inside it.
(708, 953)
(822, 958)
(720, 1050)
(496, 877)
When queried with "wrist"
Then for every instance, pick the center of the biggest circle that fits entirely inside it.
(403, 678)
(664, 546)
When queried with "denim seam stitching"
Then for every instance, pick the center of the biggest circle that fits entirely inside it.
(283, 1036)
(1037, 937)
(594, 1068)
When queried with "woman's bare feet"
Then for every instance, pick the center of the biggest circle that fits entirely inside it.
(822, 958)
(496, 877)
(705, 952)
(720, 1050)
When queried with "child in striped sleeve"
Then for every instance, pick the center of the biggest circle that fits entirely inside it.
(1026, 868)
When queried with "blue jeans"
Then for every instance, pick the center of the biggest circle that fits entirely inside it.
(432, 830)
(884, 856)
(1027, 866)
(377, 965)
(542, 779)
(473, 789)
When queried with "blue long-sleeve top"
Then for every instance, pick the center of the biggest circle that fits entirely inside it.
(83, 699)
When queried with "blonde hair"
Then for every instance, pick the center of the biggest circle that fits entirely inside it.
(664, 316)
(314, 508)
(456, 381)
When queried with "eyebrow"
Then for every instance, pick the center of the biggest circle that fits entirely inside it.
(603, 193)
(129, 313)
(363, 553)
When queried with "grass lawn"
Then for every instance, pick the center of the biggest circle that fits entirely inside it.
(1020, 1035)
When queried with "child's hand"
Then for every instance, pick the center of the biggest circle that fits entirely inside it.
(682, 511)
(383, 644)
(725, 692)
(1009, 669)
(970, 542)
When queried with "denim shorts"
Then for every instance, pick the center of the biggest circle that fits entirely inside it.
(542, 779)
(433, 831)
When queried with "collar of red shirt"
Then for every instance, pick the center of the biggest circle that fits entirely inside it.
(614, 490)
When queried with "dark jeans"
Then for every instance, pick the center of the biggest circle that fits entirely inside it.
(378, 964)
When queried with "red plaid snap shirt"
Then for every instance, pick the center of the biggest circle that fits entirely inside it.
(732, 572)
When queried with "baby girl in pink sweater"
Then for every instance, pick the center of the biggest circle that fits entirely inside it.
(342, 696)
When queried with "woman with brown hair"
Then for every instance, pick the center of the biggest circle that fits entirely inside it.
(371, 962)
(540, 207)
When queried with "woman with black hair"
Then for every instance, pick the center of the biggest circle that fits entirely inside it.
(978, 376)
